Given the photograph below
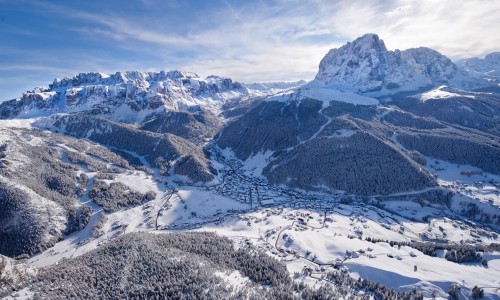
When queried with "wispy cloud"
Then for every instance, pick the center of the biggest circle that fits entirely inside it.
(283, 31)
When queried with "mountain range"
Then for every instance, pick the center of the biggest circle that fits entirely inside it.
(370, 124)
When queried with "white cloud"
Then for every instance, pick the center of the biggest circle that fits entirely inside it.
(456, 28)
(259, 41)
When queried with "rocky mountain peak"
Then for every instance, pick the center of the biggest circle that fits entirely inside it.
(365, 65)
(98, 78)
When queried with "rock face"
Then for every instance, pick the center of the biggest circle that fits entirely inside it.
(365, 65)
(125, 96)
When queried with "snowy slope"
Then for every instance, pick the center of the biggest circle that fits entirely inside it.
(274, 181)
(440, 93)
(325, 94)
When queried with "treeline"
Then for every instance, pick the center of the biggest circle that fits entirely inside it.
(91, 164)
(440, 196)
(493, 247)
(159, 266)
(133, 161)
(22, 229)
(97, 230)
(405, 119)
(472, 211)
(272, 126)
(480, 113)
(455, 253)
(363, 112)
(194, 126)
(375, 289)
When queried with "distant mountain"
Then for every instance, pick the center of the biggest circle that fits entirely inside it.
(125, 96)
(487, 67)
(273, 87)
(365, 65)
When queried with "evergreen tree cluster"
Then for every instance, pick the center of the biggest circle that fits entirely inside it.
(479, 112)
(116, 195)
(346, 164)
(459, 253)
(456, 148)
(158, 266)
(185, 266)
(39, 194)
(196, 126)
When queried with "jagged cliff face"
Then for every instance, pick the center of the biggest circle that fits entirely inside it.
(124, 95)
(365, 65)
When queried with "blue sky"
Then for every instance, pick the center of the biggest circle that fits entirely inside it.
(245, 40)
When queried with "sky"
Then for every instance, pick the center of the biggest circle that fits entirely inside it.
(249, 41)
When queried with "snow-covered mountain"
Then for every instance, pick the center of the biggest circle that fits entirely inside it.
(365, 65)
(125, 96)
(487, 67)
(269, 88)
(326, 176)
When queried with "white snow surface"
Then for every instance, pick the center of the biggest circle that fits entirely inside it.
(326, 240)
(327, 94)
(272, 88)
(234, 279)
(18, 123)
(255, 164)
(440, 93)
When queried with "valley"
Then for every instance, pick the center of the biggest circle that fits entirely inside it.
(362, 183)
